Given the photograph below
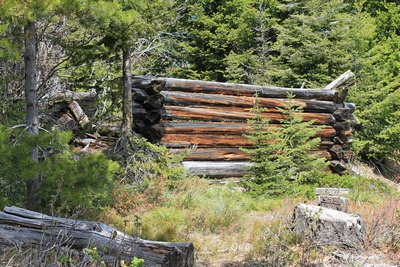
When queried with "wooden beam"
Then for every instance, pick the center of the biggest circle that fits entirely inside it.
(231, 128)
(172, 84)
(175, 98)
(230, 154)
(235, 114)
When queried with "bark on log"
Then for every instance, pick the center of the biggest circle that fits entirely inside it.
(174, 98)
(24, 227)
(235, 114)
(172, 84)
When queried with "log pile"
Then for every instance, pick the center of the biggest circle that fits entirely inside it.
(213, 116)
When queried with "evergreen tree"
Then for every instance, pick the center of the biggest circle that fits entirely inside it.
(281, 156)
(218, 36)
(312, 43)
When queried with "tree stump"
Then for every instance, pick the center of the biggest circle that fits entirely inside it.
(328, 227)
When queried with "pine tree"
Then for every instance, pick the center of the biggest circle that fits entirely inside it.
(281, 156)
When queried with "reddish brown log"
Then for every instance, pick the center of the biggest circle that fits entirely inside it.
(214, 141)
(166, 127)
(174, 98)
(172, 84)
(235, 114)
(230, 154)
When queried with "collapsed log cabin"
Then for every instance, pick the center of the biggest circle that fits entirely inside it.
(213, 116)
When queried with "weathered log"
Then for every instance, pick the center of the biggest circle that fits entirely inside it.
(155, 101)
(336, 152)
(151, 85)
(139, 95)
(216, 169)
(338, 167)
(24, 227)
(150, 117)
(230, 154)
(168, 127)
(174, 98)
(68, 96)
(172, 84)
(213, 140)
(342, 79)
(78, 112)
(235, 114)
(342, 114)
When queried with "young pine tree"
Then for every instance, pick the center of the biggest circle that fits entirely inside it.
(280, 156)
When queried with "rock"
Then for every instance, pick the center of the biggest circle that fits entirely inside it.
(328, 227)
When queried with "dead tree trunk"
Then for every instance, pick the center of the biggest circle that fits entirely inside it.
(26, 228)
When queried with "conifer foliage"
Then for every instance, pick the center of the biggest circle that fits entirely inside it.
(280, 156)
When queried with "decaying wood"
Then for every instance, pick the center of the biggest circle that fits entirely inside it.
(24, 227)
(174, 98)
(214, 140)
(78, 113)
(70, 95)
(216, 169)
(172, 84)
(342, 79)
(172, 127)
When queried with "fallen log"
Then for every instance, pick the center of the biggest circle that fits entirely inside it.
(175, 98)
(235, 114)
(216, 169)
(172, 84)
(68, 96)
(27, 228)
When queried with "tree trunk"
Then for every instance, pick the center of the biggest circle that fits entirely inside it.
(32, 116)
(126, 127)
(23, 227)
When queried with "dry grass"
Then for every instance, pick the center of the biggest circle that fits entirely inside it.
(228, 228)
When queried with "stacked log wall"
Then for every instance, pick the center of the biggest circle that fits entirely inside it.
(213, 116)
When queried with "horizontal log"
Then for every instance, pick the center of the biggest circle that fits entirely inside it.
(172, 84)
(24, 227)
(175, 98)
(230, 154)
(213, 141)
(167, 127)
(235, 114)
(216, 169)
(71, 95)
